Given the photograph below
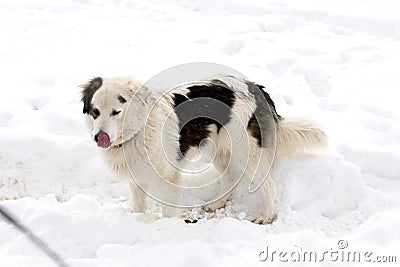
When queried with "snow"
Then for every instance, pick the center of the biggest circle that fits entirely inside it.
(333, 61)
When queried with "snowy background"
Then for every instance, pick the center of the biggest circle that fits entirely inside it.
(336, 62)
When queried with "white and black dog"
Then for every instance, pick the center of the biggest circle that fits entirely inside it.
(149, 136)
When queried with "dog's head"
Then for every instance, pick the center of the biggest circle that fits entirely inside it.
(115, 109)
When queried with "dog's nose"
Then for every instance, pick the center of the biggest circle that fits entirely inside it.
(96, 137)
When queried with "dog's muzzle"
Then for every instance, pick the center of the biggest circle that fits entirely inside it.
(102, 139)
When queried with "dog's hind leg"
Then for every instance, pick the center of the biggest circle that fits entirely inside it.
(171, 209)
(255, 193)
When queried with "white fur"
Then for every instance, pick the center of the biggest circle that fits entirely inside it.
(298, 135)
(148, 134)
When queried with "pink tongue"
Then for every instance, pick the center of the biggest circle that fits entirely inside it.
(103, 140)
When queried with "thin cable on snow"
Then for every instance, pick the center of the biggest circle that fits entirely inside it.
(35, 239)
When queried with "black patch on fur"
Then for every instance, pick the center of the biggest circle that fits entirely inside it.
(115, 112)
(191, 221)
(121, 99)
(203, 105)
(94, 112)
(88, 91)
(259, 123)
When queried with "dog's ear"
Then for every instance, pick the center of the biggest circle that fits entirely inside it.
(143, 94)
(88, 91)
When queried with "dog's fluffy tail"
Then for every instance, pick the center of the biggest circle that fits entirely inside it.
(298, 135)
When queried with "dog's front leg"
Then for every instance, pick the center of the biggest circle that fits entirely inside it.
(139, 203)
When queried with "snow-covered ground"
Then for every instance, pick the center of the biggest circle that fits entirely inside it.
(333, 61)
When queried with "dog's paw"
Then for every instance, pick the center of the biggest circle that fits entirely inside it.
(264, 220)
(170, 212)
(214, 206)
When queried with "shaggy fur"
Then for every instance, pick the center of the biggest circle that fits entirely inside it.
(149, 137)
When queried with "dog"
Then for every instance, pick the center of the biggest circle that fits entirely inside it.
(149, 137)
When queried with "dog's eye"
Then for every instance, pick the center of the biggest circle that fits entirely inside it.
(115, 112)
(95, 113)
